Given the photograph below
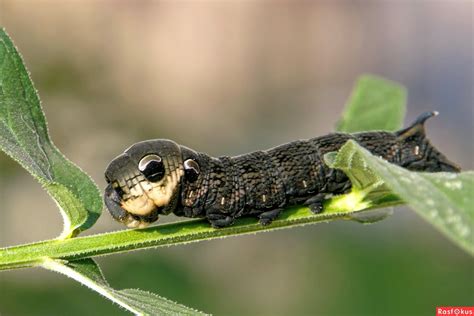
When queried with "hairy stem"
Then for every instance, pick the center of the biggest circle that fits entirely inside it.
(163, 235)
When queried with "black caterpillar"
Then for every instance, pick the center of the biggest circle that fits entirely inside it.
(158, 177)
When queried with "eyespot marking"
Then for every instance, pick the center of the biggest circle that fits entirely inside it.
(152, 167)
(146, 160)
(191, 170)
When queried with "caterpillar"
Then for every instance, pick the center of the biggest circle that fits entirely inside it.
(159, 177)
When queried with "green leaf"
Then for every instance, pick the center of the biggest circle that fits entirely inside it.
(24, 137)
(367, 186)
(443, 199)
(375, 104)
(139, 302)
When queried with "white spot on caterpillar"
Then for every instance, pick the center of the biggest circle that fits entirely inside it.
(304, 184)
(416, 150)
(222, 200)
(264, 198)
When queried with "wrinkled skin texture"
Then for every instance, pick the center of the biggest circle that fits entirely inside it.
(259, 184)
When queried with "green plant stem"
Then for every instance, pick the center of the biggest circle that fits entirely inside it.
(33, 254)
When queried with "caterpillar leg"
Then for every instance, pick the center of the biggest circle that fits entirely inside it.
(315, 203)
(266, 218)
(220, 220)
(346, 188)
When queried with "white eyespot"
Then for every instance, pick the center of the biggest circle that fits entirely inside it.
(146, 160)
(190, 164)
(191, 170)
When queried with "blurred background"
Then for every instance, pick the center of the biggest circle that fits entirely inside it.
(227, 78)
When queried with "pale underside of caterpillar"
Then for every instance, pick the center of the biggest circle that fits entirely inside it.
(159, 177)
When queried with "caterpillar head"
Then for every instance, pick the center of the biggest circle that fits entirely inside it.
(144, 182)
(417, 153)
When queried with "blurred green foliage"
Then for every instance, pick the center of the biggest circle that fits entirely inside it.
(371, 100)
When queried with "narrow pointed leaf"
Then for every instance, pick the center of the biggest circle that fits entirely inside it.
(139, 302)
(375, 104)
(24, 137)
(445, 200)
